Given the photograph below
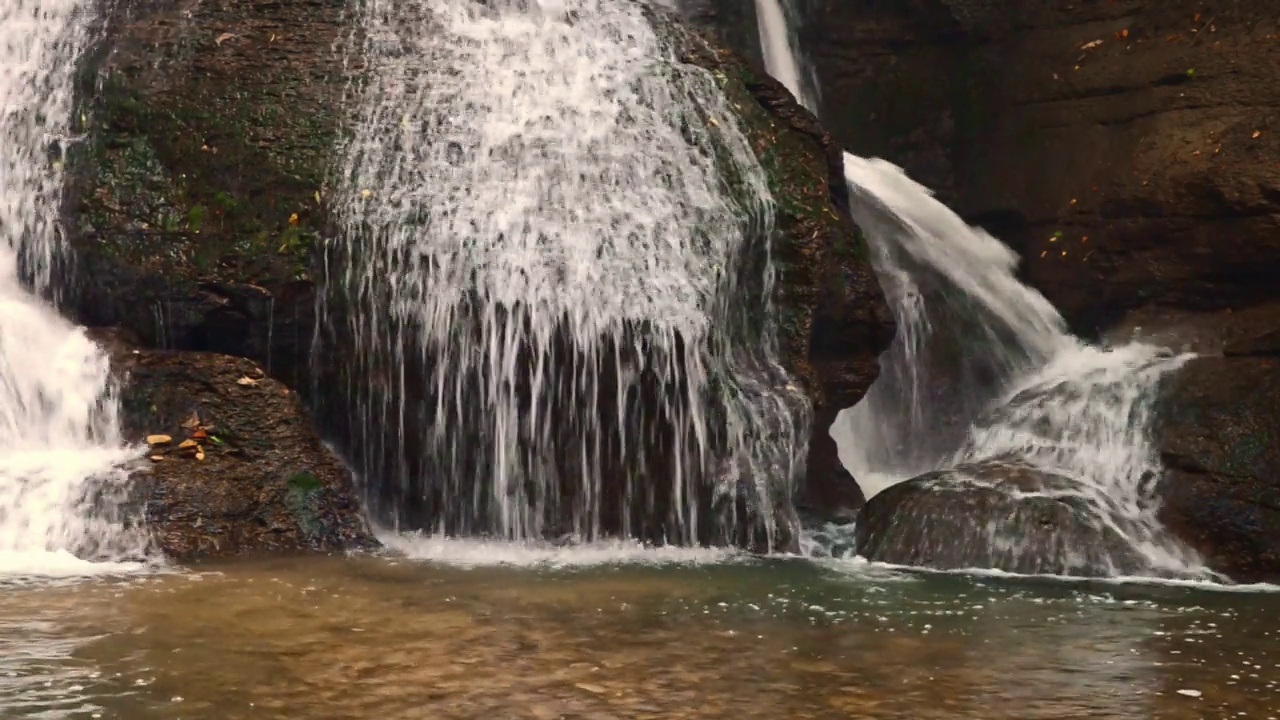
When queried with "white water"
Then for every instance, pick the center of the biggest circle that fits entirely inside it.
(542, 261)
(982, 368)
(61, 482)
(781, 51)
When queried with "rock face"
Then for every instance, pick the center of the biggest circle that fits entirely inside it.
(1219, 437)
(1124, 147)
(199, 199)
(835, 320)
(243, 471)
(994, 515)
(199, 196)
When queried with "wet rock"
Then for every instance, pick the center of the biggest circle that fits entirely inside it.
(1143, 132)
(1219, 438)
(197, 198)
(835, 320)
(994, 515)
(243, 471)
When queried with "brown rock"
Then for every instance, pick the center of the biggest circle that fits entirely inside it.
(1219, 437)
(266, 483)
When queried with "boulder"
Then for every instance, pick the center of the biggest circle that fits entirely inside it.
(235, 466)
(1219, 437)
(994, 515)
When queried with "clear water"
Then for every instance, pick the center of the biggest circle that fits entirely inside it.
(335, 638)
(61, 482)
(550, 258)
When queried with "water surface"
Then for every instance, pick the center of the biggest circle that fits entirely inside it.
(383, 638)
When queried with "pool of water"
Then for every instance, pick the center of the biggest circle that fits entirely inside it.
(705, 637)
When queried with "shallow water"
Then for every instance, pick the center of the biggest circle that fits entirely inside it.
(383, 638)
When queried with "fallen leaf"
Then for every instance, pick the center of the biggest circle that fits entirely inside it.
(159, 439)
(199, 454)
(317, 197)
(223, 38)
(272, 38)
(188, 444)
(246, 380)
(1091, 45)
(712, 122)
(293, 220)
(1257, 134)
(192, 422)
(366, 194)
(199, 434)
(157, 458)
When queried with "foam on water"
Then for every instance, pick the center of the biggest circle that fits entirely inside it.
(552, 267)
(62, 485)
(469, 552)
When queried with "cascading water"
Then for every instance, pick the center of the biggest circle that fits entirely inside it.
(61, 483)
(983, 372)
(552, 266)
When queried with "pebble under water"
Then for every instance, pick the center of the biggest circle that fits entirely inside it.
(578, 636)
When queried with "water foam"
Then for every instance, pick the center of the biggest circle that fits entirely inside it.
(470, 552)
(62, 485)
(553, 263)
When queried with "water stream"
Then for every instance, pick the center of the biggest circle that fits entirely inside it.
(548, 286)
(983, 370)
(62, 485)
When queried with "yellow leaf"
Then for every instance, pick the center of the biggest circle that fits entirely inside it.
(199, 454)
(246, 380)
(159, 439)
(157, 458)
(366, 194)
(188, 444)
(317, 197)
(293, 219)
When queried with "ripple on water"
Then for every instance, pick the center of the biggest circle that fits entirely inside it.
(361, 637)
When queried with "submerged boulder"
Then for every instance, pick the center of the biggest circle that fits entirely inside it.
(995, 515)
(235, 466)
(1219, 438)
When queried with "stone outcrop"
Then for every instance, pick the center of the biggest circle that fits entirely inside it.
(199, 199)
(1219, 438)
(1124, 147)
(835, 320)
(199, 196)
(235, 466)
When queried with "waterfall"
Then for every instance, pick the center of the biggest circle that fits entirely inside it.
(983, 370)
(61, 482)
(552, 272)
(781, 51)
